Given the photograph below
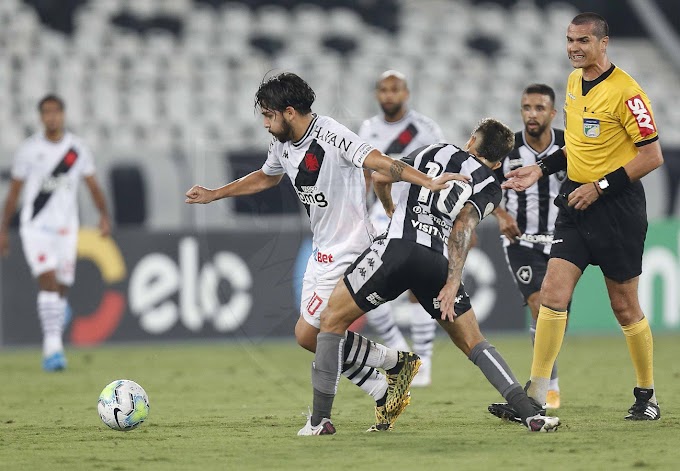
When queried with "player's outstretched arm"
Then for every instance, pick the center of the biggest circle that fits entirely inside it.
(252, 183)
(400, 171)
(460, 242)
(522, 178)
(8, 213)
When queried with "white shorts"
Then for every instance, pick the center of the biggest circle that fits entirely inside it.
(317, 286)
(47, 250)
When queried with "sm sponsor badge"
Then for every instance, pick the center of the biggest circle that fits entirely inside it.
(591, 127)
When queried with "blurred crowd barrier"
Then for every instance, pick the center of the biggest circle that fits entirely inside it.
(147, 285)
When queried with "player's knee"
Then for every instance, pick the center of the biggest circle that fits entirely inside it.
(333, 321)
(626, 311)
(554, 295)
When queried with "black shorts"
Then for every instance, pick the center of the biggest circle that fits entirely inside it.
(528, 268)
(391, 266)
(611, 233)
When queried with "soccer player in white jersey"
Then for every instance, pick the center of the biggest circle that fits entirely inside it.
(424, 250)
(324, 161)
(527, 222)
(49, 165)
(396, 132)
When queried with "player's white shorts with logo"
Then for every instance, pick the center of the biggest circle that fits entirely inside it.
(46, 250)
(317, 285)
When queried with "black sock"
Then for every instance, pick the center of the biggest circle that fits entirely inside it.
(518, 400)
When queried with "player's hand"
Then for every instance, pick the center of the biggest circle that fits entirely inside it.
(104, 226)
(508, 226)
(389, 211)
(4, 243)
(439, 183)
(522, 178)
(199, 194)
(583, 196)
(447, 300)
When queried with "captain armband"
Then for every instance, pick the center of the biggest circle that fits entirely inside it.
(553, 163)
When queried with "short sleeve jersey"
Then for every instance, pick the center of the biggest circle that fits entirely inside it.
(604, 125)
(51, 172)
(397, 139)
(417, 218)
(325, 167)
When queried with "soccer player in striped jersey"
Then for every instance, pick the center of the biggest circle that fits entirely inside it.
(50, 165)
(424, 250)
(324, 161)
(527, 222)
(397, 132)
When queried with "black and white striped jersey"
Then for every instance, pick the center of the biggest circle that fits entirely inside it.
(533, 209)
(416, 216)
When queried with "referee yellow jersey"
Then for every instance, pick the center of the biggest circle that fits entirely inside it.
(604, 125)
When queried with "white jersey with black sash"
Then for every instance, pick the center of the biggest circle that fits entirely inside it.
(51, 172)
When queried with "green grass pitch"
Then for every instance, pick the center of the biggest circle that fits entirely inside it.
(239, 405)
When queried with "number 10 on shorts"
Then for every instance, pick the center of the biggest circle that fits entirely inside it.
(314, 304)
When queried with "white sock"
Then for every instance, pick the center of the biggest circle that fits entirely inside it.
(51, 312)
(362, 352)
(381, 320)
(553, 385)
(423, 331)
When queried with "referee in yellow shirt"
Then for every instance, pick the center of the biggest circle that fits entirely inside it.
(610, 143)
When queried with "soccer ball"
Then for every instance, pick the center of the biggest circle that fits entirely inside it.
(123, 405)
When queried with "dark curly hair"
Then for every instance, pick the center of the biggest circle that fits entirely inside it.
(286, 89)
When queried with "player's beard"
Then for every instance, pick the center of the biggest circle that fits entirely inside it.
(392, 110)
(536, 132)
(286, 133)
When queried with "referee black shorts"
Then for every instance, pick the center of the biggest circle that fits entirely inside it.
(391, 266)
(610, 233)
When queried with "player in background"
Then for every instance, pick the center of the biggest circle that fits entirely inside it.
(324, 161)
(424, 250)
(396, 132)
(527, 222)
(611, 142)
(49, 165)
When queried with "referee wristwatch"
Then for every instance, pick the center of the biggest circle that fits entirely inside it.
(603, 184)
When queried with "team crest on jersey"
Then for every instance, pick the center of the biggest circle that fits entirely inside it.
(311, 162)
(524, 274)
(591, 127)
